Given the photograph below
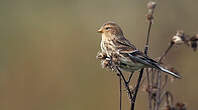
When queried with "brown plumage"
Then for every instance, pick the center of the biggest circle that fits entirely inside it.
(130, 59)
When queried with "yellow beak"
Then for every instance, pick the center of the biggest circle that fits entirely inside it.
(100, 30)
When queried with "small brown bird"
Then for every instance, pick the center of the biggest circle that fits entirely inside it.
(130, 59)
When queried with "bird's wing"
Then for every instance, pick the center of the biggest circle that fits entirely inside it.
(142, 58)
(124, 46)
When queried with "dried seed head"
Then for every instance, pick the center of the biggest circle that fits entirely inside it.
(108, 63)
(151, 5)
(179, 38)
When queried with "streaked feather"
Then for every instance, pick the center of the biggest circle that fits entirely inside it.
(131, 59)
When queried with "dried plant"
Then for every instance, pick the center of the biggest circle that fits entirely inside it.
(155, 82)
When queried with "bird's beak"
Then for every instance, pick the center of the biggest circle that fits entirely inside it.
(100, 30)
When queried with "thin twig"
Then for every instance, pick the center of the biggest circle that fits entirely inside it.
(169, 98)
(126, 85)
(142, 70)
(130, 77)
(137, 88)
(152, 77)
(165, 82)
(120, 79)
(158, 93)
(166, 52)
(148, 87)
(147, 38)
(159, 79)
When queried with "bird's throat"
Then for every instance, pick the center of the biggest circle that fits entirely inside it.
(107, 37)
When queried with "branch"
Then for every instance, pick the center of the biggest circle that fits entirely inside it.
(166, 52)
(149, 87)
(151, 7)
(126, 85)
(120, 79)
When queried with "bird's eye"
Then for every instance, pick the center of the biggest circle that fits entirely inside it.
(107, 28)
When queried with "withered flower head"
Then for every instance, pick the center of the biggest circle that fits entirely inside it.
(151, 5)
(179, 38)
(106, 62)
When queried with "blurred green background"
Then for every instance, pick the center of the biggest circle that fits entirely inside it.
(48, 49)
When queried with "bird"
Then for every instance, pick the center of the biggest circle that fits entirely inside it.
(130, 58)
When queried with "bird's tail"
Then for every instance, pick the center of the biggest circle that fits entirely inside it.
(151, 63)
(169, 72)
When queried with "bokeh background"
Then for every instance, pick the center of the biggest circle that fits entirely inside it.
(48, 49)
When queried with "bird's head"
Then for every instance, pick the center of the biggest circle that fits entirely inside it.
(110, 29)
